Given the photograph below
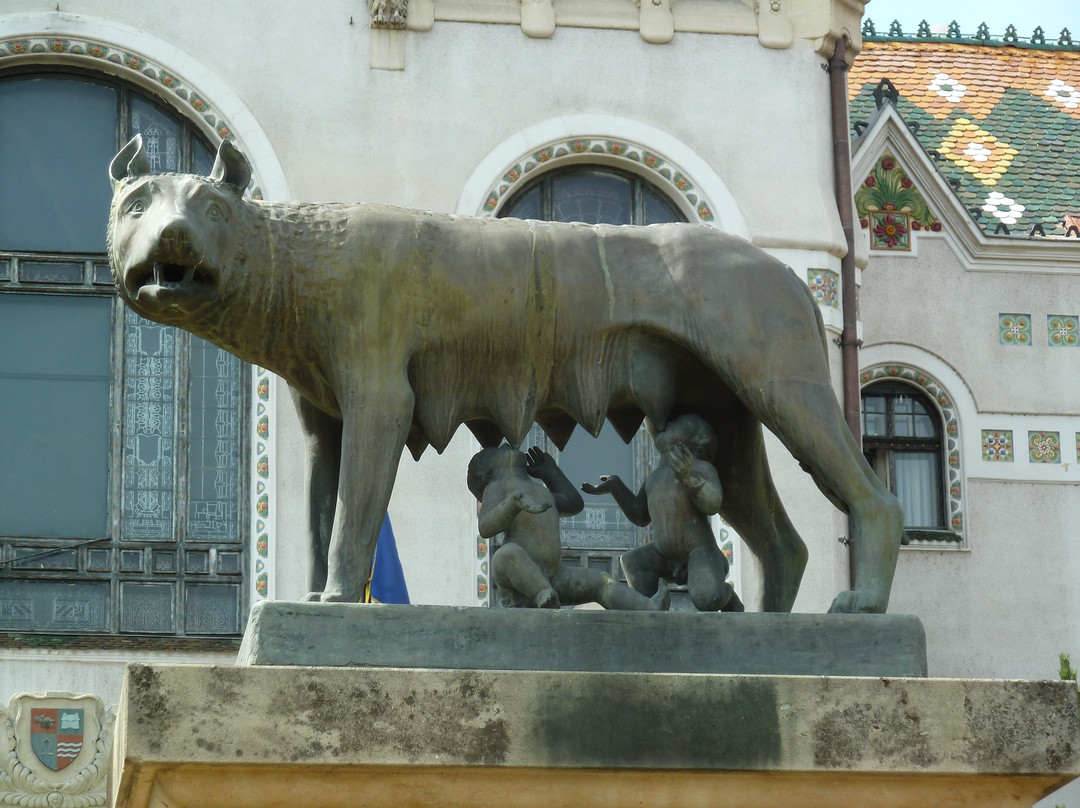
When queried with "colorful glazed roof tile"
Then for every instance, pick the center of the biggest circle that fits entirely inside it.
(1000, 119)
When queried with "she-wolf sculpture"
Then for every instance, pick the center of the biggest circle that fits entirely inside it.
(393, 327)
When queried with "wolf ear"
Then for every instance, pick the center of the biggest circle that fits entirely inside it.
(231, 167)
(130, 162)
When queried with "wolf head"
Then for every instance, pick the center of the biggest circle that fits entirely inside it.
(172, 237)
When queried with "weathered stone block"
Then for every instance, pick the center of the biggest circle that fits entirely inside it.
(293, 737)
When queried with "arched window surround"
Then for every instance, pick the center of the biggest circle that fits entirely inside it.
(946, 408)
(659, 157)
(180, 81)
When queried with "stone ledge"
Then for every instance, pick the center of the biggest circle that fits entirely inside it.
(312, 737)
(333, 634)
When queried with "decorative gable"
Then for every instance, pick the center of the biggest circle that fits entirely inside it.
(891, 207)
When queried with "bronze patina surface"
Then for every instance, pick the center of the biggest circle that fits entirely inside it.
(393, 327)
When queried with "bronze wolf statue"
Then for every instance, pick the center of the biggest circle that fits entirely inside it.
(393, 327)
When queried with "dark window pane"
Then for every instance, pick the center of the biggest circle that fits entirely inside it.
(658, 210)
(102, 275)
(202, 158)
(212, 609)
(147, 608)
(874, 416)
(527, 206)
(197, 561)
(131, 560)
(228, 563)
(50, 272)
(41, 558)
(99, 561)
(54, 606)
(5, 271)
(57, 137)
(164, 560)
(592, 197)
(54, 415)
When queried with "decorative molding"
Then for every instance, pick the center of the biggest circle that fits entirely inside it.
(54, 750)
(537, 18)
(388, 13)
(656, 23)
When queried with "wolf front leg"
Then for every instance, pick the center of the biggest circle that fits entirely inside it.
(322, 433)
(375, 424)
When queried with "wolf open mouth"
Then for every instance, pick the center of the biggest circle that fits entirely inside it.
(159, 284)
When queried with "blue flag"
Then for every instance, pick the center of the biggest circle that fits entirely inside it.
(387, 583)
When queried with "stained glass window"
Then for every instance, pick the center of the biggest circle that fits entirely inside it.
(122, 441)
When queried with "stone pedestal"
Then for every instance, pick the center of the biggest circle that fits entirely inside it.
(303, 737)
(338, 705)
(335, 634)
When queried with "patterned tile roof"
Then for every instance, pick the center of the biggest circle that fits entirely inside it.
(1001, 121)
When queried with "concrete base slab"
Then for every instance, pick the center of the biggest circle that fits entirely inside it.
(332, 634)
(294, 737)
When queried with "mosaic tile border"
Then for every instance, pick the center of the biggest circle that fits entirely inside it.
(1044, 446)
(825, 285)
(937, 392)
(93, 54)
(1062, 330)
(262, 427)
(1014, 329)
(890, 230)
(483, 578)
(997, 445)
(652, 165)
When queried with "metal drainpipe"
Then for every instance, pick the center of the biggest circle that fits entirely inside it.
(849, 339)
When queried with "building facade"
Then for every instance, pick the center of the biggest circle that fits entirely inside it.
(157, 490)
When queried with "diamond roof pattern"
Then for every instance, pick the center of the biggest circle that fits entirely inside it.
(1002, 122)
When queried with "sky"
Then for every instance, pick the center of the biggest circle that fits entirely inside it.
(1052, 15)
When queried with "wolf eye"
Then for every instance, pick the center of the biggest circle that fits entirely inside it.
(136, 208)
(215, 212)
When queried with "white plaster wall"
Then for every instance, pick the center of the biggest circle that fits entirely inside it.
(930, 300)
(36, 670)
(1007, 605)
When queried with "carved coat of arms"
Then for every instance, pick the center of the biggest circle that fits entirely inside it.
(56, 735)
(54, 750)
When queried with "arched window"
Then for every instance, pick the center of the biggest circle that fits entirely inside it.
(902, 441)
(121, 483)
(599, 535)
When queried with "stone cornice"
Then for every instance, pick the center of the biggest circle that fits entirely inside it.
(777, 23)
